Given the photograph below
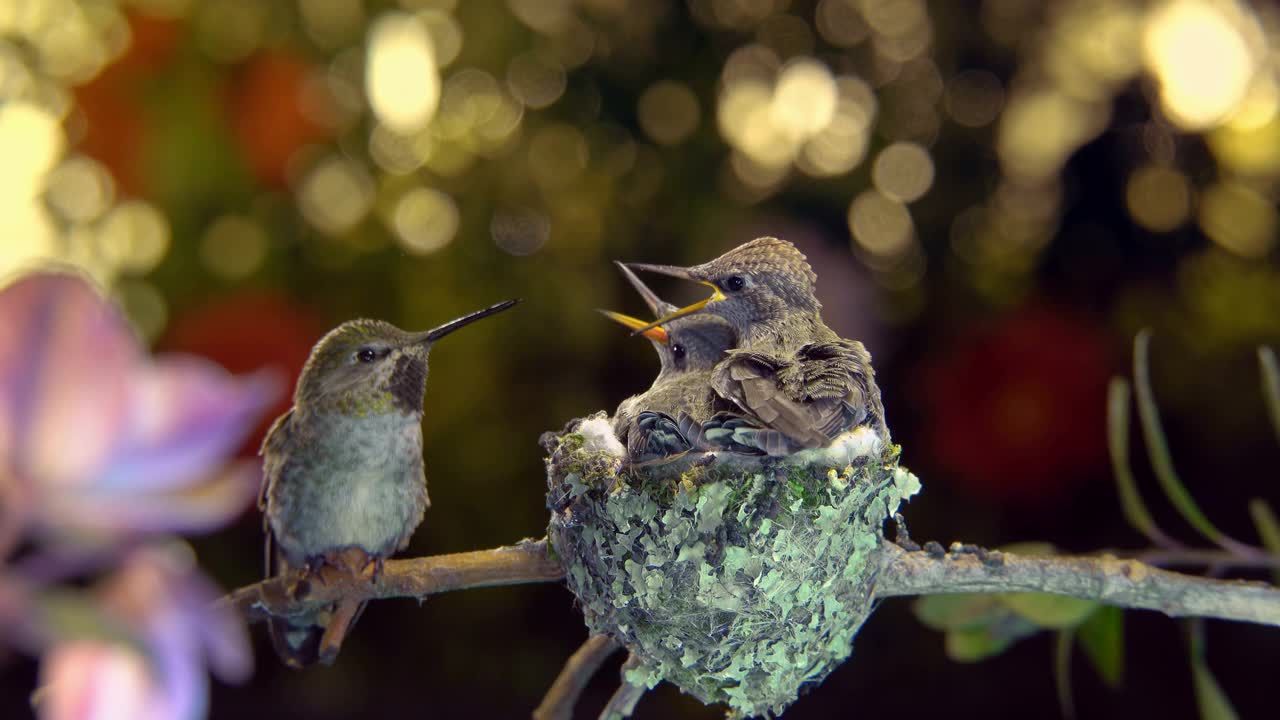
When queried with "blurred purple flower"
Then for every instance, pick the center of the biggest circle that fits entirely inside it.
(96, 437)
(161, 602)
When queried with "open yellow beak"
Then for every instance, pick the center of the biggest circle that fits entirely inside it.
(687, 310)
(656, 334)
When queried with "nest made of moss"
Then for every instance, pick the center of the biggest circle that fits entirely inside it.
(741, 580)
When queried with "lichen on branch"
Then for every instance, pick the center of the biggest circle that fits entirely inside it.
(1114, 581)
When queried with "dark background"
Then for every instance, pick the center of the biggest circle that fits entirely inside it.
(1072, 203)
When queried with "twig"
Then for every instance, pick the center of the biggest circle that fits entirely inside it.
(1124, 583)
(624, 699)
(563, 695)
(1202, 558)
(525, 562)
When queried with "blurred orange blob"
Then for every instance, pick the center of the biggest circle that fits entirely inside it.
(111, 104)
(1018, 411)
(247, 331)
(269, 115)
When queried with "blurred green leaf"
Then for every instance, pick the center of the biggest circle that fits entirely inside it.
(1062, 672)
(1210, 699)
(1158, 445)
(1270, 386)
(1135, 511)
(1268, 529)
(977, 644)
(960, 611)
(1054, 612)
(976, 626)
(67, 615)
(1102, 638)
(1030, 548)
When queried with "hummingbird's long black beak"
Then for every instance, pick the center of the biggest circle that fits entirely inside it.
(684, 274)
(435, 334)
(656, 334)
(657, 305)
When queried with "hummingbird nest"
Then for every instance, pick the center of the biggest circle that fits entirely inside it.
(741, 580)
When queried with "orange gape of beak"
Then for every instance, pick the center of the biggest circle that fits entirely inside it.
(654, 333)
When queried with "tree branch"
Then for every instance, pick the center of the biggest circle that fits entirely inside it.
(563, 695)
(525, 562)
(1105, 578)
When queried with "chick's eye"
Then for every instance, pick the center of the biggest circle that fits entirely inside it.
(677, 351)
(366, 355)
(735, 283)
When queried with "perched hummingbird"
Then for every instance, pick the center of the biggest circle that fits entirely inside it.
(790, 372)
(343, 482)
(657, 423)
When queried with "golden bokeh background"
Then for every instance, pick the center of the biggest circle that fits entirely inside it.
(996, 195)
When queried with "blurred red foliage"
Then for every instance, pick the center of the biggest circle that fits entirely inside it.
(1017, 411)
(111, 104)
(247, 331)
(267, 115)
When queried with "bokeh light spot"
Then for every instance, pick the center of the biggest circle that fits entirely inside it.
(1158, 197)
(804, 99)
(840, 23)
(536, 80)
(401, 74)
(520, 231)
(668, 112)
(903, 171)
(1239, 219)
(79, 189)
(233, 247)
(974, 98)
(880, 224)
(134, 237)
(335, 195)
(425, 220)
(1201, 60)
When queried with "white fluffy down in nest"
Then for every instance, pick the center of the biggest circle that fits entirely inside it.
(597, 436)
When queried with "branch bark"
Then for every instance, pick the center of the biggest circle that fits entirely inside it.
(560, 700)
(525, 562)
(1105, 578)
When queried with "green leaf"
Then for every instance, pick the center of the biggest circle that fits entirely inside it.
(1135, 511)
(1062, 673)
(961, 611)
(977, 626)
(1102, 638)
(1030, 548)
(68, 615)
(976, 644)
(1268, 529)
(1055, 612)
(1158, 445)
(1270, 386)
(1211, 701)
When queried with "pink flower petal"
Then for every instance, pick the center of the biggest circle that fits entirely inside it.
(202, 507)
(187, 416)
(65, 358)
(91, 680)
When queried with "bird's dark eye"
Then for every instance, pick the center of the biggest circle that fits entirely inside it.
(677, 351)
(366, 355)
(734, 283)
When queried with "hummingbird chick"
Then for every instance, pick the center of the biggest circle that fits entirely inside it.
(343, 480)
(665, 419)
(790, 372)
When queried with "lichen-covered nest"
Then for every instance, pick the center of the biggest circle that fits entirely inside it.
(741, 580)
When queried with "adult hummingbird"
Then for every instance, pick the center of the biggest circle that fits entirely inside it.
(790, 372)
(343, 481)
(659, 422)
